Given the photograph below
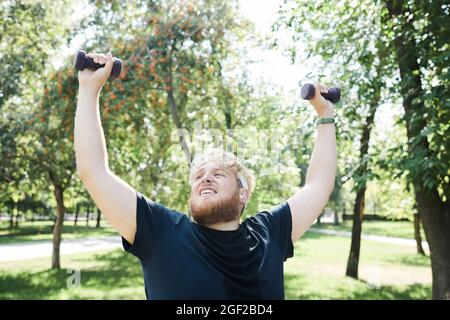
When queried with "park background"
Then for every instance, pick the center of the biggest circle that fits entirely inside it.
(235, 67)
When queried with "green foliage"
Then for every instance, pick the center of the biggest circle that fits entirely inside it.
(343, 38)
(31, 33)
(353, 44)
(192, 50)
(421, 28)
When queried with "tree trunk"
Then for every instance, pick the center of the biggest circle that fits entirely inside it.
(417, 235)
(88, 213)
(11, 219)
(435, 218)
(434, 213)
(358, 213)
(174, 113)
(176, 119)
(358, 208)
(99, 216)
(229, 143)
(16, 223)
(58, 228)
(77, 211)
(228, 119)
(336, 217)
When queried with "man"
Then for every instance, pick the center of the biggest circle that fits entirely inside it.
(212, 256)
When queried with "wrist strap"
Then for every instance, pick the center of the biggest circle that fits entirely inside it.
(325, 120)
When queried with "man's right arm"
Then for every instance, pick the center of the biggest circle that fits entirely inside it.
(113, 196)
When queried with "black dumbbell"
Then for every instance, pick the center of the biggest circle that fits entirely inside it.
(308, 91)
(81, 62)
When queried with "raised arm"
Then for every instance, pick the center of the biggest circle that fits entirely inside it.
(113, 196)
(308, 202)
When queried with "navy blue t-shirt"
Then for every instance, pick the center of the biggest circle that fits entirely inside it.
(182, 259)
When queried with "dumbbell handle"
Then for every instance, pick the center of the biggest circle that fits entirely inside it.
(308, 91)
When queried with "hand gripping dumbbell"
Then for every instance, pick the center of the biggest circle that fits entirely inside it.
(81, 62)
(308, 91)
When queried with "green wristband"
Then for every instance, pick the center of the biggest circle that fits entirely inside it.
(325, 120)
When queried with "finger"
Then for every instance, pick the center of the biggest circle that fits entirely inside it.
(102, 58)
(317, 99)
(96, 58)
(318, 90)
(109, 63)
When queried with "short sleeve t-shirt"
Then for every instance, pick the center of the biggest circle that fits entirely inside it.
(182, 259)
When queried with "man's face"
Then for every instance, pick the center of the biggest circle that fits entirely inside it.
(215, 195)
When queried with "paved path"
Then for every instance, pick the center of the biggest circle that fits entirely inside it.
(393, 240)
(39, 249)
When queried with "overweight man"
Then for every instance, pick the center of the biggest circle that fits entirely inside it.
(213, 254)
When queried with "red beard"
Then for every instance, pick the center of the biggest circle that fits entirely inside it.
(211, 211)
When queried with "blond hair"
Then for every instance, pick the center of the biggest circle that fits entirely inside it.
(226, 160)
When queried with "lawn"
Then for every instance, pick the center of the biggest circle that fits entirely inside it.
(316, 272)
(386, 271)
(42, 230)
(400, 229)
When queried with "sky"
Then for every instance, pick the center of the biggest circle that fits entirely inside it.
(274, 65)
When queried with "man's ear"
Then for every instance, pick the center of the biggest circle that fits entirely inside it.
(244, 195)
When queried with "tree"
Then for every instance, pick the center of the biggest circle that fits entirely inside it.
(411, 37)
(51, 139)
(425, 162)
(346, 37)
(31, 32)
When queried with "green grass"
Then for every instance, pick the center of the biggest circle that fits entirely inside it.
(399, 229)
(386, 271)
(42, 230)
(316, 272)
(111, 274)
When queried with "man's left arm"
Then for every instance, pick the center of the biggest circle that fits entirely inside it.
(308, 202)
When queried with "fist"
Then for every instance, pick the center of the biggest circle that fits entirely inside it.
(96, 79)
(323, 107)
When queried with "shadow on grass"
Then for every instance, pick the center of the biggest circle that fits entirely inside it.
(314, 235)
(113, 270)
(331, 226)
(29, 232)
(301, 288)
(31, 285)
(398, 229)
(416, 260)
